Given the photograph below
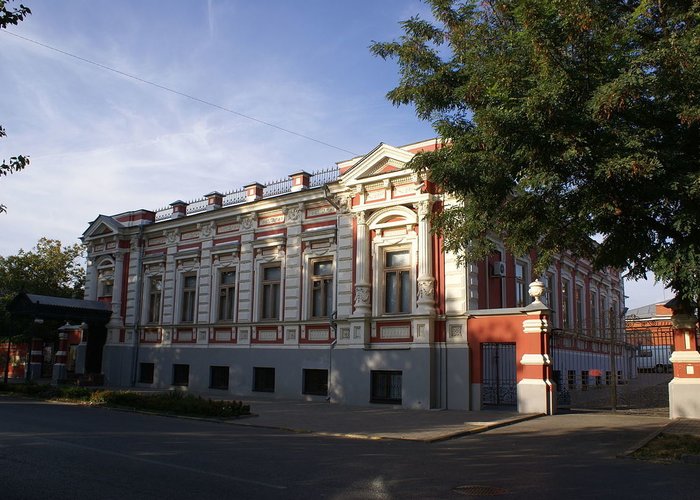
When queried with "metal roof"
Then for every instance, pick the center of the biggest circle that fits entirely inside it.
(48, 307)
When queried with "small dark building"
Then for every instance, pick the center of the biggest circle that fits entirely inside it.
(81, 338)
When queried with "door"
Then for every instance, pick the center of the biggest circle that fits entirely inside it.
(498, 381)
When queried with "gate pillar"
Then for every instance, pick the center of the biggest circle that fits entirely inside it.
(684, 389)
(36, 357)
(536, 391)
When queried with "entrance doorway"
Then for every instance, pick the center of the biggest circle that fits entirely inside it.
(499, 383)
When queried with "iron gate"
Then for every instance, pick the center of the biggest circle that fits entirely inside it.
(498, 381)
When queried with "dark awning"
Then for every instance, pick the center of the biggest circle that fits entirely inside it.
(47, 307)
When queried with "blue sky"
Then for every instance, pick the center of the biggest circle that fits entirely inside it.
(102, 143)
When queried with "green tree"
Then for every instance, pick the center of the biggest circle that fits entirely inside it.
(11, 17)
(47, 269)
(568, 121)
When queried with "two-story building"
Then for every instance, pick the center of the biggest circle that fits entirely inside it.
(326, 285)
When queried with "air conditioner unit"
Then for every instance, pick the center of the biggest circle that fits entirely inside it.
(498, 269)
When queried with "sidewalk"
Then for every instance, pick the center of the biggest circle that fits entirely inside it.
(683, 426)
(376, 422)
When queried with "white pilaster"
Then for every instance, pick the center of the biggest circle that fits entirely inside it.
(426, 280)
(363, 306)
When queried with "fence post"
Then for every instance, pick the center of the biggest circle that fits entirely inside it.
(536, 391)
(684, 389)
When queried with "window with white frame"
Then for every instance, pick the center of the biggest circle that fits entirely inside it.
(227, 294)
(105, 279)
(578, 301)
(270, 292)
(321, 288)
(594, 312)
(188, 298)
(155, 298)
(397, 281)
(604, 313)
(520, 284)
(550, 297)
(566, 303)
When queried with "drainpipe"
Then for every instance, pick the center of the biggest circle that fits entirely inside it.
(137, 305)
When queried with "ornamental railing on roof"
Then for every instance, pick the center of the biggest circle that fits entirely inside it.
(279, 186)
(323, 177)
(274, 188)
(234, 197)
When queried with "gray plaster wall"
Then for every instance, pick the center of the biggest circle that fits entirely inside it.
(351, 370)
(117, 365)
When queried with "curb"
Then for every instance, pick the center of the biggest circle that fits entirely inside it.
(370, 437)
(642, 442)
(488, 427)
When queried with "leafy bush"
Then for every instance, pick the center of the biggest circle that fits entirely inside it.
(176, 402)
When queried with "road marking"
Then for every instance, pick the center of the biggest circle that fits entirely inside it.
(163, 464)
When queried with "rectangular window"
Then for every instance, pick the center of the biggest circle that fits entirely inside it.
(105, 285)
(594, 313)
(578, 300)
(604, 313)
(565, 301)
(270, 303)
(571, 379)
(322, 289)
(520, 284)
(218, 377)
(227, 295)
(397, 282)
(550, 298)
(315, 382)
(181, 375)
(584, 380)
(146, 371)
(263, 379)
(155, 295)
(386, 387)
(189, 295)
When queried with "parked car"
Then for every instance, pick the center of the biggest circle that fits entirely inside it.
(654, 358)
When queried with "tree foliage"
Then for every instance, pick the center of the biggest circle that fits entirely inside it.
(48, 269)
(11, 17)
(568, 121)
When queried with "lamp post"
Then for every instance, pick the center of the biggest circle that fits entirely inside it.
(613, 362)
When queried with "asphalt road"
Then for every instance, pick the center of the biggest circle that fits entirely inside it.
(72, 452)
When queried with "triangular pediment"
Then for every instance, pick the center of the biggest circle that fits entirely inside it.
(382, 162)
(101, 227)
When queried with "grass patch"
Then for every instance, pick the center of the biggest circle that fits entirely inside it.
(173, 403)
(669, 448)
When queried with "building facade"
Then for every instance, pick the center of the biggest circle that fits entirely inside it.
(327, 285)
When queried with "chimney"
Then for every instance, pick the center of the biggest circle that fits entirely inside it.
(253, 192)
(214, 200)
(300, 181)
(179, 209)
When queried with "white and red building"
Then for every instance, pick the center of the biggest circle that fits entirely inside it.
(329, 285)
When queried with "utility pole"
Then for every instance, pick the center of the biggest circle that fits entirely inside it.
(613, 361)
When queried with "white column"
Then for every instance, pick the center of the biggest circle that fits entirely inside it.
(91, 280)
(116, 319)
(426, 280)
(363, 306)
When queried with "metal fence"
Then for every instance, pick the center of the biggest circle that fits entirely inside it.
(613, 369)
